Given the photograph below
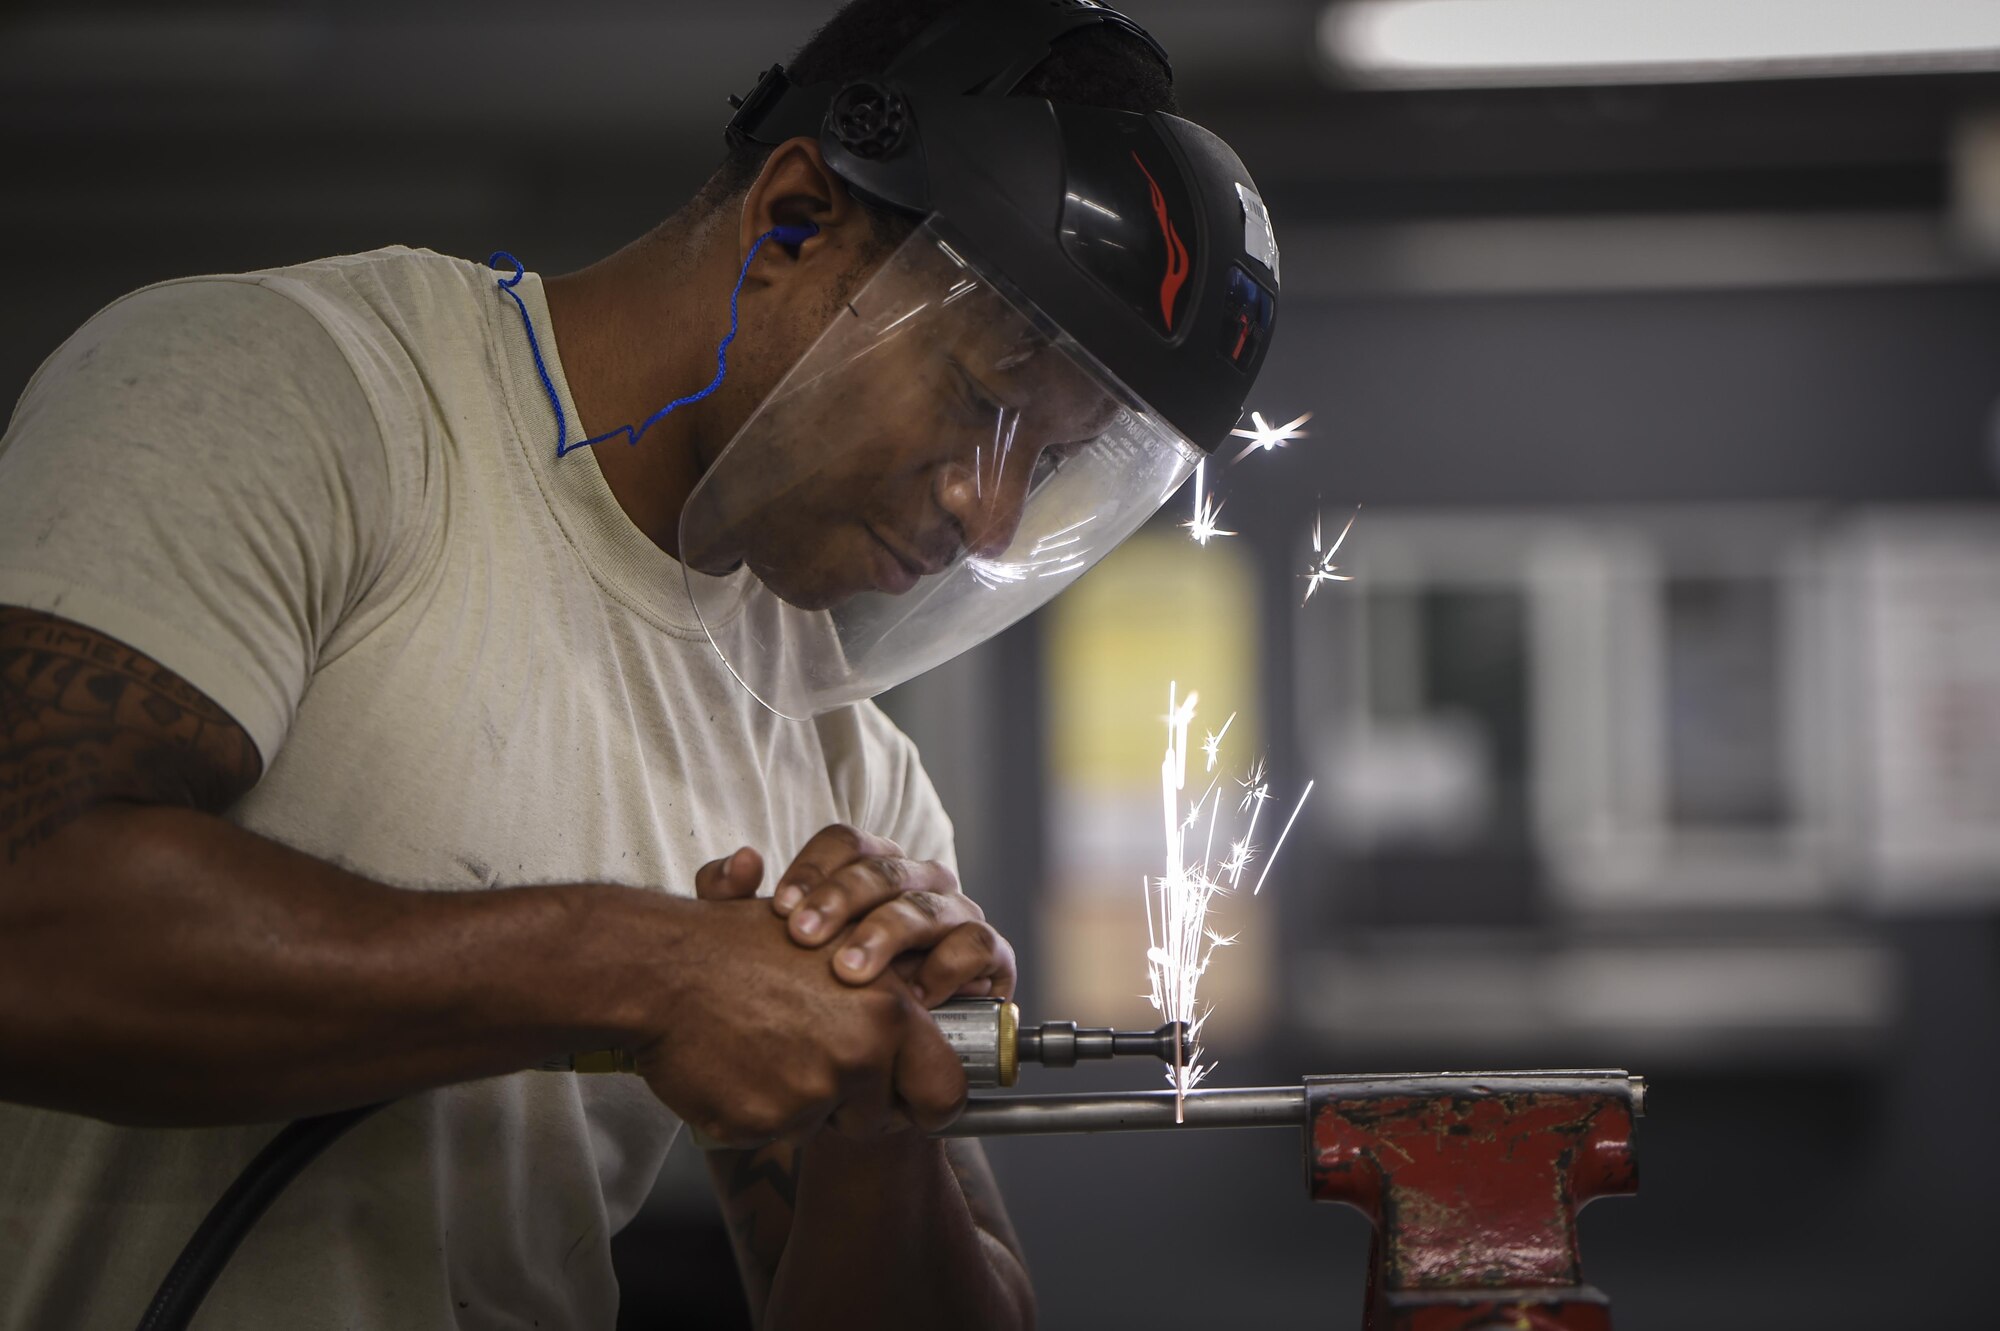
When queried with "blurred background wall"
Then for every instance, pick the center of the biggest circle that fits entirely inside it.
(1660, 727)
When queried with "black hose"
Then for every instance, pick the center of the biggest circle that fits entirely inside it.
(215, 1240)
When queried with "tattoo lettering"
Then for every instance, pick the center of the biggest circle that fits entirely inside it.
(759, 1191)
(84, 720)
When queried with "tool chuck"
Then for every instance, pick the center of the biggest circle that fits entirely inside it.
(987, 1036)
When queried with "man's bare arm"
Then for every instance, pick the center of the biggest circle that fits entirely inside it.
(897, 1232)
(160, 965)
(982, 1198)
(758, 1191)
(85, 720)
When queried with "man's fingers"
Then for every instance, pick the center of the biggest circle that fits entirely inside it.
(930, 1081)
(913, 921)
(830, 850)
(730, 878)
(867, 1109)
(860, 888)
(972, 959)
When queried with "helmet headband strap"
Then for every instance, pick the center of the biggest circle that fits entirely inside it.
(982, 47)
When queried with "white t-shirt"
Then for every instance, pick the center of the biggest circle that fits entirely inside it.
(328, 497)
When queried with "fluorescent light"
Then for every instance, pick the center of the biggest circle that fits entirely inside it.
(1462, 43)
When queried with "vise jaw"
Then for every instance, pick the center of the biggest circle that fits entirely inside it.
(1473, 1181)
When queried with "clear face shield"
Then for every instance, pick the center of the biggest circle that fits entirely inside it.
(939, 464)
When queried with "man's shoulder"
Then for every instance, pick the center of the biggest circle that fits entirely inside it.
(215, 329)
(391, 272)
(409, 291)
(388, 267)
(392, 301)
(411, 324)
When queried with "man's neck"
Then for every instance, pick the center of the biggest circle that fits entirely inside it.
(635, 331)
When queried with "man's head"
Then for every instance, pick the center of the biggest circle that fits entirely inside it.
(919, 487)
(1020, 267)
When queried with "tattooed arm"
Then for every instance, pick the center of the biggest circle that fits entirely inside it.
(159, 965)
(758, 1190)
(85, 720)
(900, 1231)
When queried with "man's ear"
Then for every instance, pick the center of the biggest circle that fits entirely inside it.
(796, 187)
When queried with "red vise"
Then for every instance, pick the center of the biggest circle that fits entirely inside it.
(1473, 1182)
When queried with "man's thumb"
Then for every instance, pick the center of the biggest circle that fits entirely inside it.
(731, 878)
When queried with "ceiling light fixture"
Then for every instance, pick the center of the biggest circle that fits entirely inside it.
(1474, 43)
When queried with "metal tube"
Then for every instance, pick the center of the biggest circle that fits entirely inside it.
(1129, 1111)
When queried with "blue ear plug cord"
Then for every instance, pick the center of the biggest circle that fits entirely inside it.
(784, 235)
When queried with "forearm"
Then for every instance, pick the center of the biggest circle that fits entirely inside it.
(162, 966)
(886, 1235)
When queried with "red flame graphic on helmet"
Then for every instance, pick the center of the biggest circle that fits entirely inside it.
(1177, 255)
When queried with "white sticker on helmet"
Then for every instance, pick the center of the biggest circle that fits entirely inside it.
(1259, 241)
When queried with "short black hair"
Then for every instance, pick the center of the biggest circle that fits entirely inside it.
(1098, 65)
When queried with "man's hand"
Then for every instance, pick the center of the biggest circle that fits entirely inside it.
(762, 1042)
(895, 913)
(805, 1216)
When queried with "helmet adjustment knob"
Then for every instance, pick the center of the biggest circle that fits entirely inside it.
(868, 119)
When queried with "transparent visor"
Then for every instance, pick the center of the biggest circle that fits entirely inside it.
(939, 464)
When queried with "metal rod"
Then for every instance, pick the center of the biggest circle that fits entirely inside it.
(1129, 1111)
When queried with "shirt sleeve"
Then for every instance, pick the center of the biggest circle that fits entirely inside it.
(198, 473)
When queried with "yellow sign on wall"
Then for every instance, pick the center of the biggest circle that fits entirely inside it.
(1159, 609)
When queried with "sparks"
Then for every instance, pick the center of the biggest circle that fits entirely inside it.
(1212, 746)
(1207, 512)
(1179, 940)
(1055, 555)
(1281, 839)
(1255, 789)
(1268, 437)
(1323, 569)
(1238, 861)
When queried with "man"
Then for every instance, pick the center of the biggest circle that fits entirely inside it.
(363, 737)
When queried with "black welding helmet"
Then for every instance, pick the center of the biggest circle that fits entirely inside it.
(1073, 324)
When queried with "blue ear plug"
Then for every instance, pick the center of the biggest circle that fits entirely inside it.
(784, 235)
